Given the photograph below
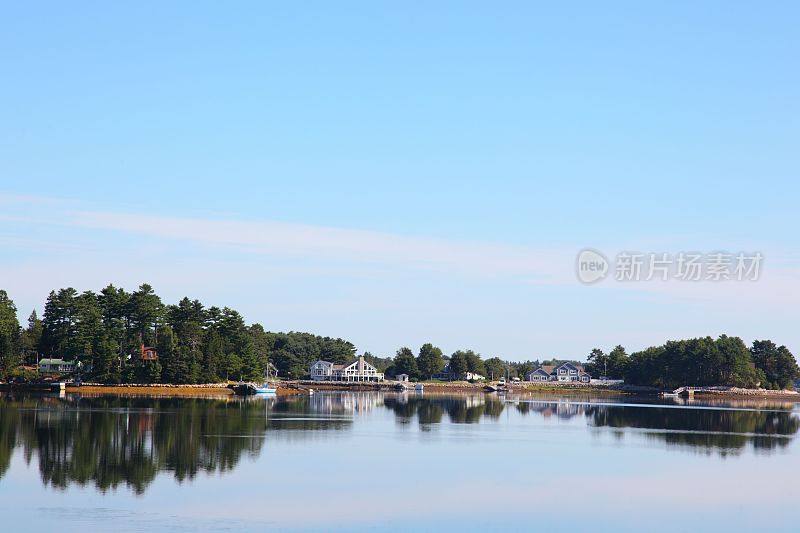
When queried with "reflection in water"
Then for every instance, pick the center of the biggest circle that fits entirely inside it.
(714, 427)
(108, 441)
(707, 430)
(430, 409)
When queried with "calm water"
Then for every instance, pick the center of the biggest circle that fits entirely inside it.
(354, 461)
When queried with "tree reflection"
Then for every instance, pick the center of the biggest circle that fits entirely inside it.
(715, 428)
(431, 409)
(112, 441)
(707, 430)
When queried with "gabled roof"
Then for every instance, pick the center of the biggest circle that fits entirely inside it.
(567, 363)
(367, 366)
(55, 362)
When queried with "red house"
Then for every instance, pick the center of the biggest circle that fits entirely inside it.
(148, 353)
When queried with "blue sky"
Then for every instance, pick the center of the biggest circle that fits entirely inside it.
(403, 173)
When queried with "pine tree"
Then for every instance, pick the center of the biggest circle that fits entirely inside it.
(9, 336)
(31, 337)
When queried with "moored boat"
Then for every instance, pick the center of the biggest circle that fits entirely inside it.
(265, 389)
(249, 389)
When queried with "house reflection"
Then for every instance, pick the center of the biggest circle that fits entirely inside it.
(561, 409)
(431, 409)
(319, 411)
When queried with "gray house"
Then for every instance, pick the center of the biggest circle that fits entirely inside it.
(563, 373)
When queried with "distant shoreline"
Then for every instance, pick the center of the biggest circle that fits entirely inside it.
(286, 388)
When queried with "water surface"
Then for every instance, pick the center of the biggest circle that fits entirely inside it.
(353, 461)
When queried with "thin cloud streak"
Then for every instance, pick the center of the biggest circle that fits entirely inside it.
(270, 237)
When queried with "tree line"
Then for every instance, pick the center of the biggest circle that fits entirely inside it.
(195, 344)
(198, 344)
(703, 361)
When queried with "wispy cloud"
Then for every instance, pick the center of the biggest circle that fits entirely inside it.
(363, 246)
(30, 199)
(361, 283)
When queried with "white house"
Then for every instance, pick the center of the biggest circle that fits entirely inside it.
(563, 373)
(358, 370)
(56, 366)
(321, 370)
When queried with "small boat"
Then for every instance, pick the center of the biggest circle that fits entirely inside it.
(248, 389)
(265, 389)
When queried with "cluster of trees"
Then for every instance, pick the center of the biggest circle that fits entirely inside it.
(702, 361)
(195, 344)
(430, 361)
(198, 344)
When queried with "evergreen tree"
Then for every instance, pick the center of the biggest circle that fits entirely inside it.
(87, 327)
(262, 345)
(213, 356)
(145, 311)
(9, 336)
(31, 338)
(59, 330)
(172, 368)
(106, 367)
(114, 316)
(776, 362)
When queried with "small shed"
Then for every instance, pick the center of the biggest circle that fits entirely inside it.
(403, 378)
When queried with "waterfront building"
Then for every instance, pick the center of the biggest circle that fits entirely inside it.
(56, 366)
(563, 373)
(358, 370)
(147, 353)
